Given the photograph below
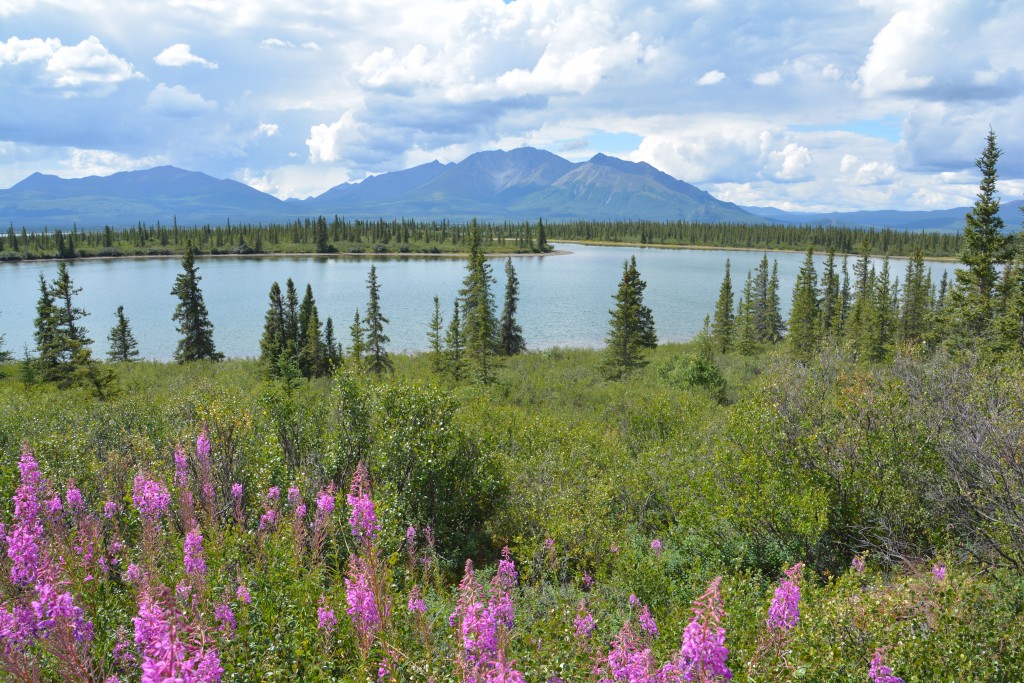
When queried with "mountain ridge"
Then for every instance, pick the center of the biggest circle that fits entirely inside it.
(524, 183)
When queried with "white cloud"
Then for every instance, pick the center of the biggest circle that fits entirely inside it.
(86, 162)
(178, 102)
(87, 65)
(772, 77)
(180, 54)
(327, 142)
(269, 129)
(792, 162)
(712, 77)
(275, 42)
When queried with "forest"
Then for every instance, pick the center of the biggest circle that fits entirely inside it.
(836, 495)
(408, 236)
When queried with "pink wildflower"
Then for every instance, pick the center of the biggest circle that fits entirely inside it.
(150, 498)
(326, 621)
(939, 571)
(362, 606)
(647, 622)
(109, 509)
(24, 540)
(73, 498)
(858, 564)
(703, 654)
(226, 618)
(195, 563)
(784, 612)
(656, 547)
(243, 594)
(416, 602)
(363, 518)
(584, 622)
(879, 672)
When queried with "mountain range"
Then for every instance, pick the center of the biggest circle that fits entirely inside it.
(519, 184)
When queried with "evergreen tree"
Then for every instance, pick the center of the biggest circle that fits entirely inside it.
(65, 357)
(309, 351)
(436, 339)
(455, 347)
(984, 249)
(632, 325)
(722, 329)
(862, 296)
(804, 315)
(511, 341)
(378, 360)
(773, 326)
(1008, 326)
(273, 343)
(312, 355)
(759, 302)
(746, 328)
(479, 327)
(332, 347)
(45, 365)
(291, 318)
(193, 320)
(123, 346)
(542, 238)
(358, 346)
(916, 302)
(831, 302)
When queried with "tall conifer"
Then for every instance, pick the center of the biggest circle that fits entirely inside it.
(510, 340)
(123, 346)
(722, 331)
(378, 360)
(632, 325)
(193, 320)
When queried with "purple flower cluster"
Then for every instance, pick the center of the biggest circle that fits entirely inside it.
(647, 622)
(879, 672)
(939, 571)
(226, 618)
(784, 612)
(362, 604)
(584, 622)
(166, 654)
(656, 547)
(25, 538)
(325, 619)
(195, 562)
(703, 654)
(628, 661)
(150, 498)
(363, 518)
(416, 602)
(243, 594)
(858, 564)
(73, 499)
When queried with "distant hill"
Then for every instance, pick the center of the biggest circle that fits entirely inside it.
(941, 220)
(519, 184)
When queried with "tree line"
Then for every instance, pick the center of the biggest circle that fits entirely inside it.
(339, 235)
(311, 235)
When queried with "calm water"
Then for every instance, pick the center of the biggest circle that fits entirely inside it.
(564, 299)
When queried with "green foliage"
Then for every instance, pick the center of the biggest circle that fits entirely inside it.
(123, 346)
(632, 325)
(191, 316)
(377, 359)
(510, 334)
(479, 327)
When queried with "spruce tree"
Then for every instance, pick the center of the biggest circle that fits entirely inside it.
(984, 249)
(479, 327)
(774, 326)
(510, 341)
(916, 302)
(123, 346)
(332, 347)
(722, 331)
(805, 312)
(378, 360)
(831, 302)
(759, 301)
(312, 355)
(45, 365)
(191, 316)
(273, 342)
(358, 346)
(455, 347)
(542, 238)
(632, 326)
(746, 327)
(435, 337)
(291, 318)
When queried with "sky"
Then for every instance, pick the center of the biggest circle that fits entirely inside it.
(800, 105)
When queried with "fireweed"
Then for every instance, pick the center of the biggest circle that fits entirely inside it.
(366, 583)
(703, 654)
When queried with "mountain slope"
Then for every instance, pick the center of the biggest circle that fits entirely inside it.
(162, 194)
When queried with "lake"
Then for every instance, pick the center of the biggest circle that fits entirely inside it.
(564, 299)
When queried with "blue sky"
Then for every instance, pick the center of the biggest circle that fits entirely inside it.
(802, 105)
